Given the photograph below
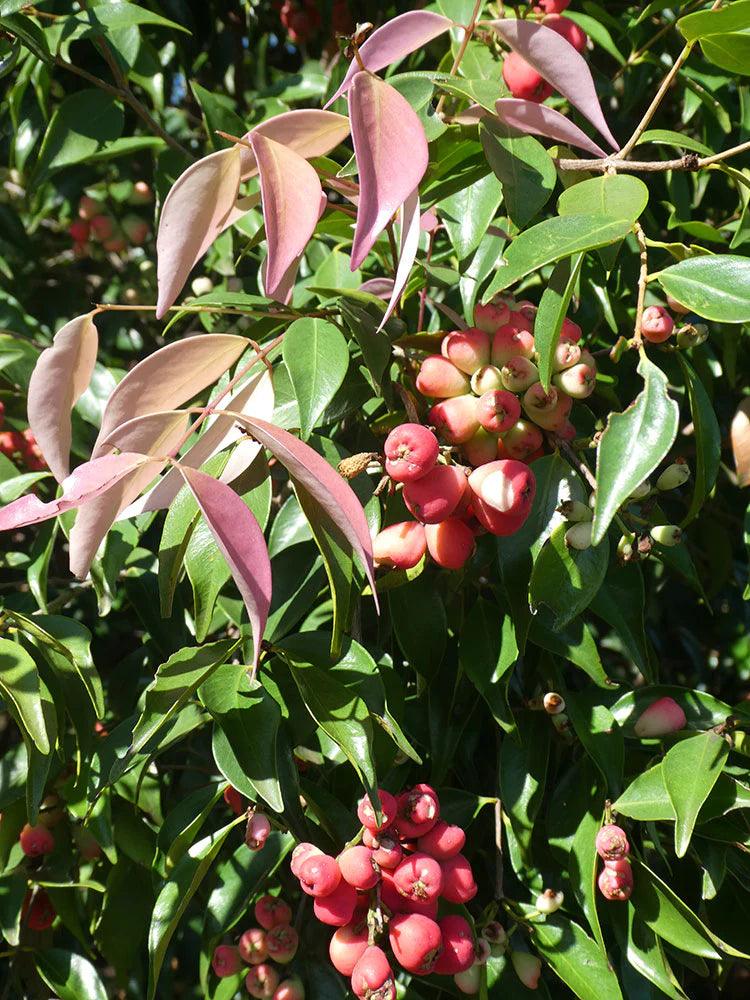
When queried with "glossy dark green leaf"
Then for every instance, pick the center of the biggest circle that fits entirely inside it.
(735, 17)
(19, 686)
(575, 642)
(576, 959)
(730, 51)
(620, 602)
(487, 653)
(30, 33)
(419, 621)
(70, 975)
(117, 14)
(707, 439)
(617, 196)
(633, 444)
(317, 357)
(182, 823)
(524, 168)
(467, 213)
(523, 770)
(690, 770)
(599, 734)
(82, 124)
(127, 904)
(644, 950)
(646, 798)
(553, 307)
(566, 579)
(716, 287)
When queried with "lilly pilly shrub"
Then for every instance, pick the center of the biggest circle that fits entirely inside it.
(374, 432)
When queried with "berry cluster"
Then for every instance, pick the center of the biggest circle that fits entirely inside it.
(275, 940)
(21, 447)
(616, 877)
(389, 887)
(521, 79)
(302, 21)
(96, 224)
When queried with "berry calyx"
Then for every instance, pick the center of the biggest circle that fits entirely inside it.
(519, 374)
(257, 832)
(419, 878)
(262, 981)
(498, 410)
(252, 946)
(226, 961)
(282, 942)
(549, 901)
(418, 811)
(416, 942)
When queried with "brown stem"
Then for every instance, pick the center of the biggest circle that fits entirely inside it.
(581, 468)
(642, 280)
(499, 891)
(423, 292)
(468, 32)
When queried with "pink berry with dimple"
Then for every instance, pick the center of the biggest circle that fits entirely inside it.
(252, 946)
(450, 543)
(411, 450)
(270, 911)
(400, 545)
(437, 495)
(387, 853)
(458, 880)
(258, 830)
(226, 961)
(656, 325)
(439, 378)
(418, 811)
(491, 316)
(36, 841)
(319, 875)
(566, 355)
(282, 943)
(612, 843)
(419, 877)
(457, 953)
(338, 908)
(467, 349)
(662, 717)
(557, 416)
(615, 886)
(358, 868)
(498, 411)
(522, 440)
(578, 381)
(366, 812)
(518, 373)
(261, 981)
(510, 342)
(443, 841)
(456, 419)
(347, 946)
(416, 942)
(300, 854)
(372, 976)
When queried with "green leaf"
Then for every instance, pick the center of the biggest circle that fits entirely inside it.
(373, 343)
(523, 770)
(617, 196)
(487, 652)
(734, 17)
(730, 52)
(566, 579)
(690, 770)
(523, 167)
(467, 213)
(82, 124)
(71, 976)
(702, 710)
(247, 722)
(482, 92)
(575, 642)
(317, 357)
(551, 240)
(599, 734)
(420, 624)
(175, 895)
(19, 686)
(621, 602)
(707, 439)
(116, 14)
(27, 30)
(632, 445)
(661, 910)
(715, 287)
(576, 959)
(182, 823)
(551, 313)
(127, 904)
(644, 950)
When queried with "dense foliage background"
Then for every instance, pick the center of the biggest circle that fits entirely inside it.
(445, 684)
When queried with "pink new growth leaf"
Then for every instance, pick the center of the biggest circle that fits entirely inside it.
(559, 63)
(60, 377)
(291, 205)
(193, 215)
(326, 486)
(393, 41)
(539, 119)
(241, 542)
(391, 150)
(307, 132)
(409, 243)
(85, 483)
(168, 378)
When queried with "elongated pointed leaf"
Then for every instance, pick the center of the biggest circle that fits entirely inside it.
(576, 959)
(554, 58)
(19, 686)
(633, 444)
(317, 358)
(291, 200)
(85, 483)
(690, 770)
(307, 132)
(553, 307)
(332, 492)
(716, 287)
(539, 119)
(168, 378)
(60, 378)
(242, 544)
(391, 150)
(397, 38)
(408, 246)
(191, 219)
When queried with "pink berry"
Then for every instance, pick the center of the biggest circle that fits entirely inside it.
(261, 981)
(270, 911)
(37, 911)
(486, 379)
(440, 379)
(612, 843)
(141, 194)
(366, 812)
(443, 841)
(518, 373)
(496, 522)
(416, 941)
(136, 229)
(400, 545)
(498, 411)
(252, 946)
(358, 868)
(79, 231)
(568, 29)
(258, 829)
(339, 907)
(390, 895)
(102, 227)
(511, 342)
(290, 989)
(551, 6)
(615, 885)
(456, 419)
(234, 800)
(450, 543)
(437, 495)
(458, 880)
(469, 981)
(411, 450)
(387, 853)
(419, 877)
(372, 977)
(527, 967)
(36, 841)
(226, 961)
(657, 325)
(418, 811)
(566, 355)
(506, 485)
(491, 316)
(578, 381)
(468, 349)
(319, 875)
(481, 448)
(458, 953)
(619, 865)
(523, 81)
(522, 440)
(347, 946)
(557, 416)
(282, 942)
(301, 853)
(88, 208)
(662, 717)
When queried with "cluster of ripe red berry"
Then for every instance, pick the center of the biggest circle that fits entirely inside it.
(520, 77)
(20, 446)
(302, 19)
(616, 877)
(96, 224)
(388, 888)
(275, 940)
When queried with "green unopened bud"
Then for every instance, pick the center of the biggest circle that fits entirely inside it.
(574, 510)
(692, 336)
(549, 901)
(667, 534)
(673, 476)
(641, 491)
(626, 549)
(578, 536)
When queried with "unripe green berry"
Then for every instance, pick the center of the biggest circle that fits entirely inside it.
(667, 534)
(578, 536)
(641, 491)
(574, 510)
(692, 336)
(486, 379)
(549, 901)
(673, 476)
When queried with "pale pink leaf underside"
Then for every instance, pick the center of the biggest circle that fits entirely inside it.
(740, 438)
(332, 492)
(560, 64)
(391, 150)
(241, 542)
(192, 217)
(168, 378)
(60, 377)
(307, 132)
(527, 116)
(393, 41)
(291, 202)
(83, 484)
(408, 246)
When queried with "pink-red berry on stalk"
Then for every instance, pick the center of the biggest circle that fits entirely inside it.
(418, 811)
(578, 381)
(458, 880)
(319, 875)
(456, 419)
(419, 877)
(358, 868)
(400, 545)
(282, 942)
(468, 349)
(523, 81)
(257, 832)
(507, 486)
(387, 853)
(443, 841)
(270, 911)
(38, 914)
(480, 448)
(491, 316)
(416, 942)
(457, 952)
(498, 411)
(656, 324)
(300, 854)
(253, 947)
(450, 543)
(566, 355)
(261, 981)
(662, 717)
(337, 908)
(527, 967)
(372, 977)
(411, 450)
(290, 989)
(234, 800)
(226, 961)
(615, 885)
(612, 843)
(348, 945)
(437, 495)
(36, 841)
(439, 378)
(570, 31)
(366, 812)
(511, 342)
(518, 373)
